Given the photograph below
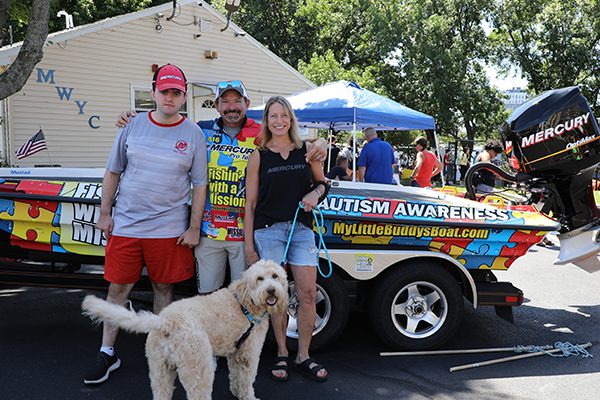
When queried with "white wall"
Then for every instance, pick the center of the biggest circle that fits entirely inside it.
(101, 67)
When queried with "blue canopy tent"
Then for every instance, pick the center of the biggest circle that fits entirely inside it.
(344, 105)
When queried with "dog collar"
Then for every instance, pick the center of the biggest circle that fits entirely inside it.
(252, 318)
(253, 321)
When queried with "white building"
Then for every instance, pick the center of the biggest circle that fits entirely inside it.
(516, 97)
(90, 73)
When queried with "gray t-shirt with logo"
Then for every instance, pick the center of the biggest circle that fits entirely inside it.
(158, 164)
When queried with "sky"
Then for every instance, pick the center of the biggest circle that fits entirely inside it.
(505, 83)
(513, 79)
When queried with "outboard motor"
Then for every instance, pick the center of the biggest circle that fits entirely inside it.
(555, 144)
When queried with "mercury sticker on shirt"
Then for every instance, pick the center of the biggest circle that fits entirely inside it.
(363, 262)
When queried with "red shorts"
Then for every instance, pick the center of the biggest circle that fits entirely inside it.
(165, 261)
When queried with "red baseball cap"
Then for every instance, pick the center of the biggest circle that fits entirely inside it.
(170, 77)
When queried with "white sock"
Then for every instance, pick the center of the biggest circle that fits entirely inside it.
(108, 350)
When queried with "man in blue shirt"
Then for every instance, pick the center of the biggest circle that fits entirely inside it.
(375, 164)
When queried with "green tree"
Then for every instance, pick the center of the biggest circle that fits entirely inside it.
(278, 25)
(440, 63)
(555, 43)
(301, 30)
(428, 54)
(13, 78)
(325, 68)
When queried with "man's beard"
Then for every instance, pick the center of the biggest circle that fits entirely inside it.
(232, 115)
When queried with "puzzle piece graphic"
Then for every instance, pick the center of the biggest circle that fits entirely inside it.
(56, 246)
(450, 249)
(35, 206)
(451, 243)
(7, 211)
(33, 222)
(499, 263)
(39, 187)
(56, 220)
(7, 186)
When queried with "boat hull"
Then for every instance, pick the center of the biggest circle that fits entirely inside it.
(479, 236)
(56, 218)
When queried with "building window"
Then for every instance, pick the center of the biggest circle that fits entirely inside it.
(208, 104)
(142, 101)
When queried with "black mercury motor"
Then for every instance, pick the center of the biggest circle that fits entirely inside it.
(554, 143)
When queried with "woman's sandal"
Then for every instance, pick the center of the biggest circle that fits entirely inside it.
(312, 373)
(283, 367)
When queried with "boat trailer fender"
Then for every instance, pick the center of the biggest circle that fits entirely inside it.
(366, 264)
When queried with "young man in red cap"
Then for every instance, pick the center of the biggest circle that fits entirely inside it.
(153, 163)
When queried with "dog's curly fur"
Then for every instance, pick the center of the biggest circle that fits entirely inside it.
(186, 335)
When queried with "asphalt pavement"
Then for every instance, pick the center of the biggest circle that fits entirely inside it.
(46, 345)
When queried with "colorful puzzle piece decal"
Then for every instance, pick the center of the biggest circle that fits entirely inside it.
(7, 211)
(33, 223)
(55, 240)
(40, 187)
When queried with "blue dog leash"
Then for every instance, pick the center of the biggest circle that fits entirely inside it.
(319, 223)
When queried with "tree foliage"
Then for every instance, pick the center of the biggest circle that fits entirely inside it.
(555, 43)
(279, 26)
(427, 54)
(329, 40)
(440, 61)
(325, 68)
(13, 79)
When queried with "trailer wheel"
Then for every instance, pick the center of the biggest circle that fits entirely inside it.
(416, 307)
(333, 309)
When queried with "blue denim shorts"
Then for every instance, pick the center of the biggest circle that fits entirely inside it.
(270, 243)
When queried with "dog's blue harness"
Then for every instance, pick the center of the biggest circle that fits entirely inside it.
(253, 321)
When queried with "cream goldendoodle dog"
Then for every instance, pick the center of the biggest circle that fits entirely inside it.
(184, 337)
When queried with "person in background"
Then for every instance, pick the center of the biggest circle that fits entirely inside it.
(333, 152)
(397, 169)
(348, 152)
(376, 161)
(340, 171)
(153, 163)
(487, 181)
(447, 163)
(427, 165)
(278, 179)
(464, 162)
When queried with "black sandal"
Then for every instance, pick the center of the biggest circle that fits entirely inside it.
(277, 367)
(312, 373)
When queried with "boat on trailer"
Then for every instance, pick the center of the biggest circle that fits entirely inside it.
(409, 256)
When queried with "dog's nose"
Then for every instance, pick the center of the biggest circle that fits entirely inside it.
(271, 291)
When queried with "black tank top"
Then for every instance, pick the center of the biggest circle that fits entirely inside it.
(282, 184)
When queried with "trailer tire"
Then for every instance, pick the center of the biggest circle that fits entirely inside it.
(333, 309)
(416, 307)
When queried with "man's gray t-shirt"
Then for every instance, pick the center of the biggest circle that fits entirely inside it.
(158, 163)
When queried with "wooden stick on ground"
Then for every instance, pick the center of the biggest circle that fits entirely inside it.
(513, 358)
(463, 351)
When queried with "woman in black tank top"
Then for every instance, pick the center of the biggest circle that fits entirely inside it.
(278, 178)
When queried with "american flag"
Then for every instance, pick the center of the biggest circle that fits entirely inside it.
(35, 144)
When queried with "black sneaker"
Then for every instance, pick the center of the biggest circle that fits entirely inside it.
(105, 364)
